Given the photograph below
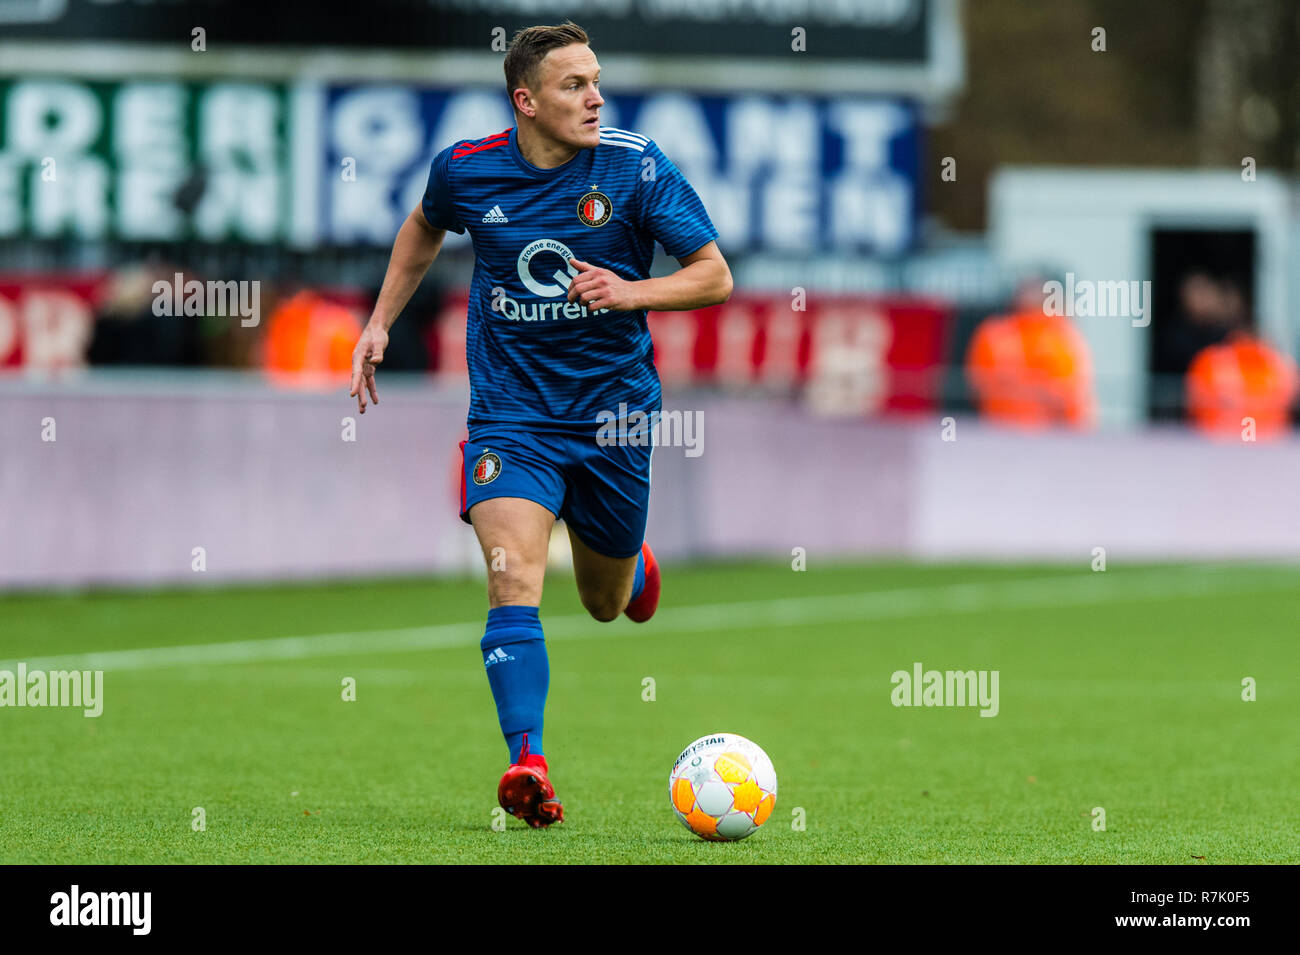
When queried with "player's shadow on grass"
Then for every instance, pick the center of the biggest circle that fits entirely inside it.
(521, 830)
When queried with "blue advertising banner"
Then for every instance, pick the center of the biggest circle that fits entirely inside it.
(777, 173)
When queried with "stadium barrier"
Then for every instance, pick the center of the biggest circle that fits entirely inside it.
(193, 478)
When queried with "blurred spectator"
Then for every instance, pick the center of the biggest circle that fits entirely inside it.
(127, 332)
(411, 341)
(1030, 369)
(309, 341)
(1239, 379)
(1209, 310)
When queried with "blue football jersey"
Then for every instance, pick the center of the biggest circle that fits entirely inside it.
(536, 360)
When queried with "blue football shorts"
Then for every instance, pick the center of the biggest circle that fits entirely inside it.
(601, 492)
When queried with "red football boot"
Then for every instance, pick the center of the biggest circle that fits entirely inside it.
(526, 793)
(644, 607)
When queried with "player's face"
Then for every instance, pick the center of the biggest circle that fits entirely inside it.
(568, 99)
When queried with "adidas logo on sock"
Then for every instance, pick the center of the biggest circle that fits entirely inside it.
(496, 656)
(495, 215)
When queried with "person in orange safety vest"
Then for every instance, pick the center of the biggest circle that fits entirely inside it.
(1241, 386)
(1030, 369)
(309, 341)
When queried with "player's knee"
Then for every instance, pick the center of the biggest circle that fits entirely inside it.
(604, 607)
(515, 582)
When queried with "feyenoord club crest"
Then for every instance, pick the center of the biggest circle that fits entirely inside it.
(594, 209)
(486, 468)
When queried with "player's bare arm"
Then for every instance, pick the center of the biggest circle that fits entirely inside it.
(414, 250)
(704, 279)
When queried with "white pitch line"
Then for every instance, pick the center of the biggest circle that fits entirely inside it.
(1082, 589)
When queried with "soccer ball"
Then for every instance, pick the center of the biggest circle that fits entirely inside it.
(722, 787)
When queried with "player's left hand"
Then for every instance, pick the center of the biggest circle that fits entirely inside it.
(596, 288)
(368, 355)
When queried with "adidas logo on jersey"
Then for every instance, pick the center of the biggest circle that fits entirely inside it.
(495, 215)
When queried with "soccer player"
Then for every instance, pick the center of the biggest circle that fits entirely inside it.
(564, 214)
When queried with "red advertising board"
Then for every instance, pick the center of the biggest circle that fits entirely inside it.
(849, 355)
(846, 355)
(46, 321)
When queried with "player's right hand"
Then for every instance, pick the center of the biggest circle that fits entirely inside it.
(368, 354)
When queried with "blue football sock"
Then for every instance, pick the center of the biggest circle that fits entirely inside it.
(514, 652)
(638, 581)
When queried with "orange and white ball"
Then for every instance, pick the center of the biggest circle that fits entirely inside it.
(722, 787)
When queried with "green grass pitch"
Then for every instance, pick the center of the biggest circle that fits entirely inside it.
(1120, 690)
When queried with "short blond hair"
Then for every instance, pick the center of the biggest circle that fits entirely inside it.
(530, 46)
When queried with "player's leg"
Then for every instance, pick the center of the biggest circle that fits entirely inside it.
(605, 512)
(513, 531)
(513, 534)
(605, 584)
